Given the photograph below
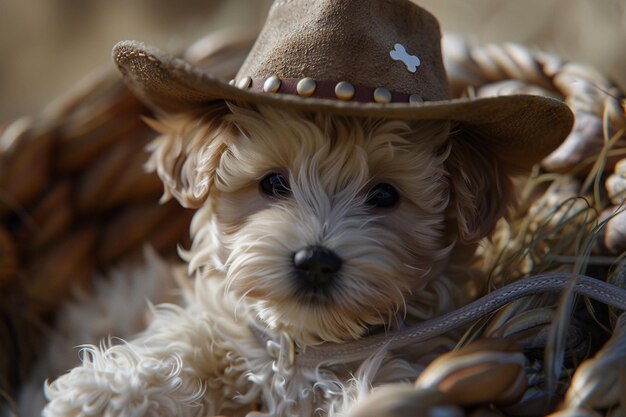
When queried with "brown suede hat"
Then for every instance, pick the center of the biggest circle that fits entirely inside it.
(370, 58)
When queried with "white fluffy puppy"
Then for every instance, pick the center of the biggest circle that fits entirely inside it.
(317, 228)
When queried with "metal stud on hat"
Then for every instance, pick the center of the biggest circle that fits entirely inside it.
(306, 87)
(382, 95)
(344, 90)
(272, 84)
(245, 82)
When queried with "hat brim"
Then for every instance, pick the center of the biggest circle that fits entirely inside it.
(520, 129)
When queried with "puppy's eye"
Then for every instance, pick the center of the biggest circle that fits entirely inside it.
(276, 185)
(383, 195)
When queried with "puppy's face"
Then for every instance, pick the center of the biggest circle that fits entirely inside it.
(322, 225)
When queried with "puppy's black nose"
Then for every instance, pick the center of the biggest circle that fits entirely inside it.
(316, 264)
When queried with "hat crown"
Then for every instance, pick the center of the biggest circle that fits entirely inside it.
(393, 44)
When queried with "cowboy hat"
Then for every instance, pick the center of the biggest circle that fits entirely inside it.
(357, 58)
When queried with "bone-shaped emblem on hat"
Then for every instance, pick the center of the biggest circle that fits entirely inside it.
(399, 54)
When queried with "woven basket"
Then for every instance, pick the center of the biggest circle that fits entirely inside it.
(75, 199)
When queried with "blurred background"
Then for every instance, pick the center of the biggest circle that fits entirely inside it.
(46, 46)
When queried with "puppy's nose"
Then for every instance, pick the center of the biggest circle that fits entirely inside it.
(316, 264)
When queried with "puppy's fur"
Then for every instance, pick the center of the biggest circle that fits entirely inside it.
(400, 264)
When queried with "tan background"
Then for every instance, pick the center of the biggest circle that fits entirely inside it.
(47, 45)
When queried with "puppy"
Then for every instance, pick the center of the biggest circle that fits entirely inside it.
(310, 228)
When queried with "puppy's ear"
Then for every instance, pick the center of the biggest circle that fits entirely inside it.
(482, 190)
(187, 153)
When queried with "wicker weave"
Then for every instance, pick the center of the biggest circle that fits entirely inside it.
(75, 200)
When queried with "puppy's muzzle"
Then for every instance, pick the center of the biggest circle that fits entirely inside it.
(316, 266)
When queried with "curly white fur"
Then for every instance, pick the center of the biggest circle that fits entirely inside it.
(117, 306)
(399, 265)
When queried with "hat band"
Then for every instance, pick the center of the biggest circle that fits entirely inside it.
(308, 87)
